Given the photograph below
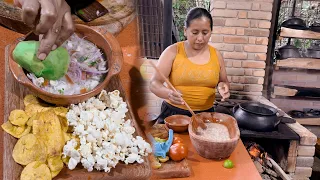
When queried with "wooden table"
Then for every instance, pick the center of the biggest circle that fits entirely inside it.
(128, 39)
(202, 168)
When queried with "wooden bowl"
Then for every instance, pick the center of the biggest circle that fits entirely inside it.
(211, 149)
(178, 123)
(107, 43)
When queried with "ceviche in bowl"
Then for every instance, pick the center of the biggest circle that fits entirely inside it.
(91, 60)
(87, 69)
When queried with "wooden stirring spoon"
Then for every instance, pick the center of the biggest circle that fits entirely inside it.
(199, 122)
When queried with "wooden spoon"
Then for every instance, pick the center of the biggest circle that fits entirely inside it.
(199, 122)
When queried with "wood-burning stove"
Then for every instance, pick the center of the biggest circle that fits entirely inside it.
(288, 145)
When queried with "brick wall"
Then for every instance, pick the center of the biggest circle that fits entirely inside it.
(240, 32)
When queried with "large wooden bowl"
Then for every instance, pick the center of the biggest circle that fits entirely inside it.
(211, 149)
(107, 43)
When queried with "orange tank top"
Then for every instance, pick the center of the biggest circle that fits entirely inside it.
(196, 82)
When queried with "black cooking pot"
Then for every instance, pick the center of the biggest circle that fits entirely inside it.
(315, 27)
(256, 116)
(295, 23)
(313, 52)
(287, 51)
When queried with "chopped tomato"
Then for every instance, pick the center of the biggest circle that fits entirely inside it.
(83, 75)
(72, 51)
(46, 82)
(69, 79)
(83, 90)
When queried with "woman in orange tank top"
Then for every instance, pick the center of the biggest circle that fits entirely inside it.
(194, 68)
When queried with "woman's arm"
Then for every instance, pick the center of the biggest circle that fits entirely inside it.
(223, 73)
(223, 86)
(164, 65)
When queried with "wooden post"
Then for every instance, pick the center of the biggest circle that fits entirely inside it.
(167, 23)
(267, 85)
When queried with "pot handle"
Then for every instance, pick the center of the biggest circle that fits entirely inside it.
(279, 114)
(235, 108)
(278, 55)
(277, 122)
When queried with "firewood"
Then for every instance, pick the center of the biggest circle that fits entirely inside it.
(258, 166)
(265, 177)
(278, 169)
(271, 172)
(273, 178)
(282, 91)
(269, 164)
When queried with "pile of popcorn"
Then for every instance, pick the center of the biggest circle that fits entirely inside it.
(101, 135)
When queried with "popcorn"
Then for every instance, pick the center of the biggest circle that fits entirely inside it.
(105, 137)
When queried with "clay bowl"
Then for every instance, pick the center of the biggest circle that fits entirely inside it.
(109, 46)
(212, 149)
(178, 123)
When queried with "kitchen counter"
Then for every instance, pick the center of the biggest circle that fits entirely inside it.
(130, 76)
(202, 168)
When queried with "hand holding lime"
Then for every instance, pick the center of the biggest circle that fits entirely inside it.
(228, 164)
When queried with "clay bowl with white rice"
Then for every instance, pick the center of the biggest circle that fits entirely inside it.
(94, 60)
(219, 139)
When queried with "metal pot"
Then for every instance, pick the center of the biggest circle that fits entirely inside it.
(315, 27)
(288, 51)
(256, 116)
(313, 52)
(295, 23)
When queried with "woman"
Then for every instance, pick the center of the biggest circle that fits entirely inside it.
(194, 68)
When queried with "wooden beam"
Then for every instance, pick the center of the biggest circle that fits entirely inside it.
(282, 91)
(167, 23)
(294, 33)
(309, 121)
(300, 63)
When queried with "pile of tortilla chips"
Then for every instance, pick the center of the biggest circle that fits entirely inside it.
(42, 131)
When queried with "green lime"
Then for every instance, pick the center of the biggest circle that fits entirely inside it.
(228, 164)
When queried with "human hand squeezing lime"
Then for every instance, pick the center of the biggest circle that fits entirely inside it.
(51, 19)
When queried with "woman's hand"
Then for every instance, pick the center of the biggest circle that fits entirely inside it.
(223, 90)
(175, 97)
(49, 18)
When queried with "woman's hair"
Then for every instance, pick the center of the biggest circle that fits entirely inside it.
(196, 13)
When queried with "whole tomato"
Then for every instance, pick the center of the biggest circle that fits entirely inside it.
(178, 151)
(177, 139)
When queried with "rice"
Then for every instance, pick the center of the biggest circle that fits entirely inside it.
(215, 132)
